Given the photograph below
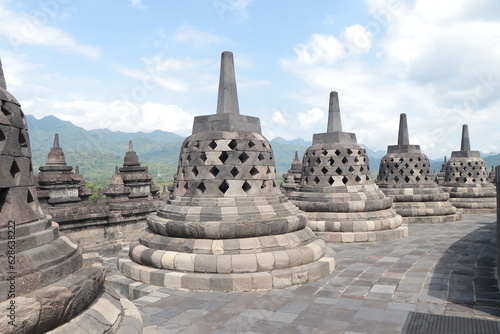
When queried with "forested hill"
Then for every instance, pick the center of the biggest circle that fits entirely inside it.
(97, 152)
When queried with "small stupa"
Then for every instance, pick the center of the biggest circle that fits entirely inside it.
(405, 176)
(467, 180)
(336, 191)
(442, 172)
(58, 185)
(291, 180)
(492, 176)
(227, 226)
(47, 283)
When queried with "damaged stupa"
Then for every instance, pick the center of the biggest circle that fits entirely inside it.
(405, 176)
(467, 180)
(341, 200)
(46, 283)
(291, 180)
(226, 227)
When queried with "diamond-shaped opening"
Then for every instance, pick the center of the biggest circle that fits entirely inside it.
(203, 157)
(361, 168)
(186, 186)
(474, 168)
(15, 172)
(401, 159)
(197, 145)
(263, 185)
(344, 161)
(325, 152)
(465, 179)
(356, 159)
(474, 180)
(364, 159)
(268, 170)
(406, 165)
(391, 171)
(31, 200)
(260, 157)
(396, 178)
(481, 179)
(311, 170)
(263, 144)
(470, 174)
(306, 181)
(469, 163)
(212, 145)
(331, 180)
(461, 163)
(421, 171)
(224, 186)
(31, 167)
(232, 144)
(316, 180)
(477, 163)
(337, 152)
(345, 180)
(386, 179)
(351, 169)
(195, 171)
(401, 172)
(324, 170)
(274, 184)
(188, 158)
(331, 161)
(367, 177)
(223, 156)
(186, 144)
(271, 156)
(457, 179)
(313, 153)
(357, 178)
(318, 161)
(426, 178)
(214, 171)
(411, 159)
(417, 178)
(407, 179)
(2, 135)
(3, 196)
(234, 171)
(396, 165)
(349, 151)
(246, 186)
(251, 144)
(412, 172)
(338, 171)
(416, 166)
(254, 171)
(201, 187)
(419, 159)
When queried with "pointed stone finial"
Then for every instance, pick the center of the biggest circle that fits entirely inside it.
(403, 138)
(130, 146)
(3, 84)
(56, 141)
(444, 158)
(334, 123)
(465, 145)
(296, 155)
(227, 102)
(116, 170)
(77, 169)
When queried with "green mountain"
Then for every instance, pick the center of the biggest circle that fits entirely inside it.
(97, 152)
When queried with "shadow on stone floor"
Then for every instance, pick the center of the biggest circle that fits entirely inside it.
(466, 273)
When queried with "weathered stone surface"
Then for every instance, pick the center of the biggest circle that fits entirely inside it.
(405, 176)
(336, 189)
(226, 212)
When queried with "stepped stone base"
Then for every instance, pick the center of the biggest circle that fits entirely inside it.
(384, 235)
(265, 280)
(433, 219)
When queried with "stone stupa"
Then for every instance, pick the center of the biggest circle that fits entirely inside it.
(405, 175)
(442, 172)
(291, 180)
(227, 226)
(467, 180)
(46, 283)
(341, 200)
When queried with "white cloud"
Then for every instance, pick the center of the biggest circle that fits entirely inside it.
(437, 62)
(196, 38)
(21, 28)
(235, 8)
(120, 115)
(137, 4)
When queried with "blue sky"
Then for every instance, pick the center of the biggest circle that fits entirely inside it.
(142, 65)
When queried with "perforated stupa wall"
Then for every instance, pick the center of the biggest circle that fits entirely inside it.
(467, 180)
(342, 202)
(227, 226)
(405, 176)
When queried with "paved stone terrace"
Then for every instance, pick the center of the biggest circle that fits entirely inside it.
(445, 269)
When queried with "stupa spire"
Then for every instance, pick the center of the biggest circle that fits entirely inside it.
(296, 156)
(130, 146)
(334, 123)
(56, 141)
(465, 145)
(403, 138)
(227, 102)
(3, 84)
